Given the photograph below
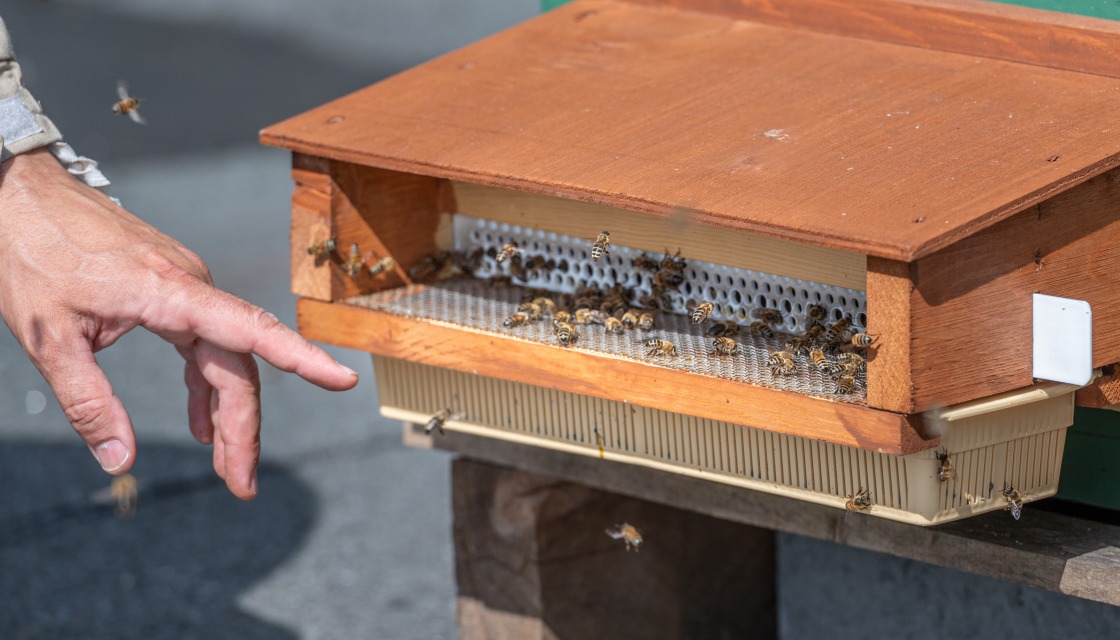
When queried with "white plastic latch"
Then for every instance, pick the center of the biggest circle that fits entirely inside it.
(1063, 340)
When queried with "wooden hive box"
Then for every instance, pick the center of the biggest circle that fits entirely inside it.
(921, 167)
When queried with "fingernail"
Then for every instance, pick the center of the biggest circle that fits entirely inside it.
(347, 369)
(111, 455)
(253, 482)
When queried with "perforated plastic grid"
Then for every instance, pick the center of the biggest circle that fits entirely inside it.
(474, 303)
(733, 291)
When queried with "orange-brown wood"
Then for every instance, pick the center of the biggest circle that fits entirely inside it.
(1104, 392)
(877, 148)
(311, 224)
(618, 379)
(971, 309)
(988, 29)
(888, 318)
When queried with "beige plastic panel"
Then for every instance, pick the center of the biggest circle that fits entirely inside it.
(1021, 446)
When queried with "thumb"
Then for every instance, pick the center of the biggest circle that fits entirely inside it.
(87, 399)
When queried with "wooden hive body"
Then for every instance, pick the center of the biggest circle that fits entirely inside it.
(940, 186)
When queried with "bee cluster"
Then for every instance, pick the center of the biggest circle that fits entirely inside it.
(354, 262)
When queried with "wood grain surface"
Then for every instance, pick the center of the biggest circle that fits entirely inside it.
(888, 318)
(865, 146)
(602, 376)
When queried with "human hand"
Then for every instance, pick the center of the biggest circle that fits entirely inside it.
(77, 272)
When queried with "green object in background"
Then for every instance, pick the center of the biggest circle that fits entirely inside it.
(1091, 464)
(547, 5)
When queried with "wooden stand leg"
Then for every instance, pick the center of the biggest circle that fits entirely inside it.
(533, 561)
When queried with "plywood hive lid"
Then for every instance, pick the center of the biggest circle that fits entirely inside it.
(884, 149)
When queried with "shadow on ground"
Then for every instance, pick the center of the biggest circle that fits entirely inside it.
(73, 569)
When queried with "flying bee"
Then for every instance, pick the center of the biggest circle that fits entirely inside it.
(816, 313)
(429, 266)
(645, 321)
(846, 385)
(769, 316)
(863, 340)
(436, 423)
(944, 466)
(590, 316)
(517, 319)
(1014, 501)
(781, 363)
(760, 328)
(628, 533)
(602, 245)
(859, 501)
(630, 319)
(381, 266)
(547, 305)
(125, 495)
(836, 332)
(701, 312)
(720, 329)
(853, 358)
(673, 262)
(658, 347)
(599, 442)
(724, 347)
(127, 105)
(354, 261)
(566, 334)
(613, 324)
(507, 251)
(646, 263)
(668, 279)
(322, 248)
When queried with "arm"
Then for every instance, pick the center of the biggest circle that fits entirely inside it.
(77, 272)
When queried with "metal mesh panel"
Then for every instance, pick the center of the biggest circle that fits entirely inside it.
(474, 303)
(734, 292)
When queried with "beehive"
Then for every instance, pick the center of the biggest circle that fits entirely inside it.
(791, 167)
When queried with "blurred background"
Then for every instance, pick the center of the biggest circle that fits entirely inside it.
(350, 537)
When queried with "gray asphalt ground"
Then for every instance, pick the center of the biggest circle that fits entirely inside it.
(350, 537)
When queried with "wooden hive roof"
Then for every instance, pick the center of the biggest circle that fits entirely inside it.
(765, 124)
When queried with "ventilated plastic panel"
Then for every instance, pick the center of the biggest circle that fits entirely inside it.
(1021, 446)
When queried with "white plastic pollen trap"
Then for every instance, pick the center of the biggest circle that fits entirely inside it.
(1063, 340)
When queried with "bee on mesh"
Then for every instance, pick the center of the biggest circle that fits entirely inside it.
(701, 312)
(534, 310)
(859, 501)
(845, 385)
(612, 325)
(590, 316)
(630, 319)
(560, 317)
(944, 466)
(761, 329)
(517, 319)
(842, 369)
(602, 245)
(821, 362)
(566, 333)
(858, 361)
(837, 333)
(660, 347)
(628, 534)
(722, 330)
(799, 345)
(646, 263)
(545, 304)
(323, 247)
(383, 265)
(781, 363)
(127, 105)
(724, 347)
(645, 321)
(505, 252)
(1014, 501)
(430, 266)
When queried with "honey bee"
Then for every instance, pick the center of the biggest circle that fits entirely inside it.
(547, 305)
(816, 313)
(436, 423)
(590, 316)
(322, 248)
(760, 328)
(1014, 501)
(781, 363)
(354, 262)
(125, 495)
(798, 345)
(668, 279)
(863, 340)
(430, 266)
(673, 262)
(658, 347)
(859, 501)
(532, 309)
(836, 332)
(613, 324)
(769, 316)
(602, 245)
(507, 251)
(127, 105)
(535, 265)
(498, 280)
(566, 334)
(701, 312)
(646, 263)
(517, 319)
(645, 321)
(628, 533)
(816, 354)
(854, 359)
(468, 263)
(846, 385)
(381, 266)
(724, 347)
(843, 369)
(813, 330)
(722, 329)
(944, 466)
(630, 319)
(561, 316)
(599, 442)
